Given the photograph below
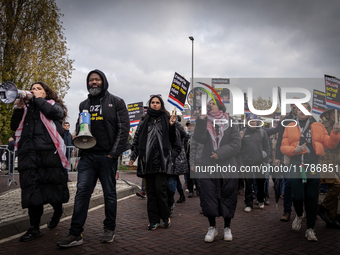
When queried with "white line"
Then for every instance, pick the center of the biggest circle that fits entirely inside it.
(63, 219)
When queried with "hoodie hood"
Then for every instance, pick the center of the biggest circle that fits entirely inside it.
(105, 84)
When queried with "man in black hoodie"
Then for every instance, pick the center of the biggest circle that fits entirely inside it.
(110, 126)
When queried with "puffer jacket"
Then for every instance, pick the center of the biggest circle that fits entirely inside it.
(181, 164)
(332, 156)
(320, 139)
(218, 196)
(42, 177)
(148, 161)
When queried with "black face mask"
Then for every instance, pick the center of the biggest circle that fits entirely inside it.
(95, 91)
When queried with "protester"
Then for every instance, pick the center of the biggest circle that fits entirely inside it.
(279, 160)
(68, 142)
(329, 207)
(156, 146)
(254, 153)
(220, 146)
(110, 126)
(41, 156)
(10, 158)
(304, 143)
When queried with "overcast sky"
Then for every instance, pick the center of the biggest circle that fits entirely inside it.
(140, 44)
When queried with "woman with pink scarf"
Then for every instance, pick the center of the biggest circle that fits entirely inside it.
(217, 172)
(41, 156)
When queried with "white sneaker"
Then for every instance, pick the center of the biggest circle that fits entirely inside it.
(210, 236)
(248, 209)
(296, 225)
(261, 205)
(227, 234)
(310, 235)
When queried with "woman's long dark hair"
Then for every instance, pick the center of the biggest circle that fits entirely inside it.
(51, 94)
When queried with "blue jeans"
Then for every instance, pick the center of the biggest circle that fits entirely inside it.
(90, 168)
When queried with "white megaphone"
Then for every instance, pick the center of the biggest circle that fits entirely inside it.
(84, 140)
(9, 93)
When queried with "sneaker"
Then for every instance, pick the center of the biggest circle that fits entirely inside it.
(31, 234)
(153, 226)
(296, 225)
(285, 217)
(310, 235)
(190, 195)
(166, 223)
(71, 241)
(261, 205)
(248, 209)
(210, 236)
(266, 201)
(227, 234)
(141, 194)
(256, 202)
(108, 236)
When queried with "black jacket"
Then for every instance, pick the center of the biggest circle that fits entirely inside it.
(153, 160)
(116, 119)
(253, 143)
(218, 196)
(42, 177)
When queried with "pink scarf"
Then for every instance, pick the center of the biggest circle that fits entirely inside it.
(52, 130)
(216, 116)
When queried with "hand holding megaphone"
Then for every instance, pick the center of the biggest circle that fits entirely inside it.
(84, 140)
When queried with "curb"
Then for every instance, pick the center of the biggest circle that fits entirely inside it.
(20, 225)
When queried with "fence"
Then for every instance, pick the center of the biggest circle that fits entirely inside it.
(8, 163)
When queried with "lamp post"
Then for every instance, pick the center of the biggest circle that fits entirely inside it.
(192, 62)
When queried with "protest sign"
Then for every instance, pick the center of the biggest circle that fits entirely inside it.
(332, 92)
(186, 112)
(319, 101)
(135, 111)
(224, 93)
(178, 91)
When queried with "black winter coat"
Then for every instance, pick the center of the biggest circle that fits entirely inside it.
(148, 161)
(218, 195)
(42, 177)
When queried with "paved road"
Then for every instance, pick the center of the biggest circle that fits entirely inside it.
(258, 232)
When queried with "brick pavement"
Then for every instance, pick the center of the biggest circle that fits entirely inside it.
(259, 232)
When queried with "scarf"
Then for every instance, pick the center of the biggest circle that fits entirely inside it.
(222, 127)
(52, 131)
(154, 114)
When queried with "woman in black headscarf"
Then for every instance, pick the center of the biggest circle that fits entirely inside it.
(155, 144)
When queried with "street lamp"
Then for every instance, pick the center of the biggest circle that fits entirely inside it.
(192, 62)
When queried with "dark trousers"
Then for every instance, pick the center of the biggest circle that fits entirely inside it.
(306, 194)
(90, 168)
(157, 204)
(36, 211)
(287, 196)
(248, 193)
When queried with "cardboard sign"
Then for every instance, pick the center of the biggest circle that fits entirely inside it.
(178, 91)
(135, 111)
(332, 92)
(319, 101)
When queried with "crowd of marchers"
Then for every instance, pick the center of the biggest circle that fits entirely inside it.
(165, 150)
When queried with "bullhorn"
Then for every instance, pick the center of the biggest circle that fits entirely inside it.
(9, 93)
(84, 140)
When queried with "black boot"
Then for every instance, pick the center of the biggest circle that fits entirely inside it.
(182, 197)
(54, 220)
(322, 211)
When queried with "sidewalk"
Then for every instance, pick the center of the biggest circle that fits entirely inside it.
(258, 232)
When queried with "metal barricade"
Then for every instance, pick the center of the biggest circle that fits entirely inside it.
(8, 162)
